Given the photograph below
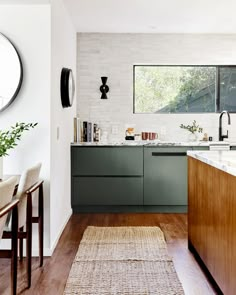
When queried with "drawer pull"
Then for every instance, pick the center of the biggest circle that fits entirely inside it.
(155, 154)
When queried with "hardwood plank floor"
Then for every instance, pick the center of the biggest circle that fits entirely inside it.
(51, 278)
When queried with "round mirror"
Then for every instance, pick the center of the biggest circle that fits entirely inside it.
(11, 72)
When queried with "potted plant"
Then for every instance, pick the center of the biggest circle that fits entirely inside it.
(193, 129)
(9, 139)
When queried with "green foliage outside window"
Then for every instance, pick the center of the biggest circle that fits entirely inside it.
(174, 89)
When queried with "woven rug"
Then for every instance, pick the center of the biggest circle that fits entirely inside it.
(123, 260)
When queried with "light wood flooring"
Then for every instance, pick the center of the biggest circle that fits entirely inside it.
(51, 278)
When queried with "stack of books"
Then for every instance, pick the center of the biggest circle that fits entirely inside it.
(85, 131)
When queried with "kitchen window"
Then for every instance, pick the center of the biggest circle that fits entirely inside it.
(184, 89)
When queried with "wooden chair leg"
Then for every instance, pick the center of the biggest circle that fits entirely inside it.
(14, 250)
(21, 245)
(40, 225)
(29, 239)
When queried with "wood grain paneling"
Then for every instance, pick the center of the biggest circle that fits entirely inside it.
(212, 221)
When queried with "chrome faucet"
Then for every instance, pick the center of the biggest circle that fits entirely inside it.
(221, 136)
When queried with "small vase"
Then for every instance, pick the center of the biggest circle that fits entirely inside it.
(192, 137)
(1, 168)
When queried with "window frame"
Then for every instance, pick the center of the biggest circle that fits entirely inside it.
(217, 87)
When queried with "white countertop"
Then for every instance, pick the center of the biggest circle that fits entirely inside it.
(223, 160)
(152, 143)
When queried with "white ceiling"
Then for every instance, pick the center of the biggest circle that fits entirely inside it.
(153, 16)
(20, 2)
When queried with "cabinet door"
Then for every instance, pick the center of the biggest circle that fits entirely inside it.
(165, 176)
(107, 191)
(107, 161)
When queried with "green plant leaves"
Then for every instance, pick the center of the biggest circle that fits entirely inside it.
(192, 128)
(9, 138)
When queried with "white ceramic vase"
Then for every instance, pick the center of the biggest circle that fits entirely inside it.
(192, 137)
(1, 167)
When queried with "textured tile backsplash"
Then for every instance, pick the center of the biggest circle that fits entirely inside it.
(113, 55)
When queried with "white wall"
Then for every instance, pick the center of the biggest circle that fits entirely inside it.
(46, 41)
(113, 55)
(29, 29)
(63, 55)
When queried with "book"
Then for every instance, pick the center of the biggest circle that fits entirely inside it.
(81, 132)
(77, 136)
(85, 131)
(75, 130)
(89, 132)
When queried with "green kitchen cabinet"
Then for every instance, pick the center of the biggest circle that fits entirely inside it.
(106, 176)
(106, 161)
(129, 177)
(107, 191)
(165, 176)
(200, 148)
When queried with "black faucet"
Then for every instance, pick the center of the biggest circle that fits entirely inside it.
(221, 136)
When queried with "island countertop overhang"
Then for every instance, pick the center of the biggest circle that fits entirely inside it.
(222, 160)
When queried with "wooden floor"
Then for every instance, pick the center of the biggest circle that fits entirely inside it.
(51, 278)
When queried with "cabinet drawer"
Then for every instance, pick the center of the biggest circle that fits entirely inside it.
(99, 161)
(107, 191)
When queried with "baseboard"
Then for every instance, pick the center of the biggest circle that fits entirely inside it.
(130, 209)
(54, 244)
(46, 252)
(6, 244)
(49, 251)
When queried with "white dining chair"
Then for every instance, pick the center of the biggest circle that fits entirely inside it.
(28, 186)
(7, 205)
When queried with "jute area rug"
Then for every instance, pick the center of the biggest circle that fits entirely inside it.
(123, 260)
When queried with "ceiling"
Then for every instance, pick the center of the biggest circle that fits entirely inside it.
(153, 16)
(19, 2)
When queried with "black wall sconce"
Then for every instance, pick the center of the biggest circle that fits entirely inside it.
(104, 88)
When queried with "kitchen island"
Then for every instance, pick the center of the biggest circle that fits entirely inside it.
(211, 213)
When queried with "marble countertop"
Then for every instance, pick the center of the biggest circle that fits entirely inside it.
(223, 160)
(154, 143)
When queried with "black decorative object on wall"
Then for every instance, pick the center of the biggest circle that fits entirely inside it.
(67, 87)
(104, 88)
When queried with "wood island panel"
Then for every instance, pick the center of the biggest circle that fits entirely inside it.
(212, 221)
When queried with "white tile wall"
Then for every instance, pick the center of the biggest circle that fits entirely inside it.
(113, 55)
